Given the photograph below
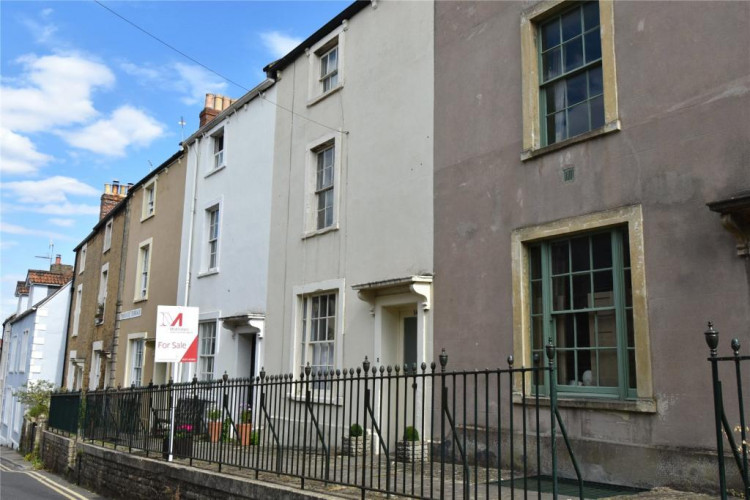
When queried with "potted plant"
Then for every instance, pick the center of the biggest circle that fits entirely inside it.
(214, 425)
(353, 444)
(245, 427)
(410, 449)
(182, 446)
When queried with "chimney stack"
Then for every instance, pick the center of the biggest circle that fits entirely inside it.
(57, 259)
(113, 194)
(59, 268)
(215, 104)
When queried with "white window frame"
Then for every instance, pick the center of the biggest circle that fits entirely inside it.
(135, 339)
(14, 350)
(143, 270)
(205, 357)
(148, 209)
(107, 236)
(316, 54)
(82, 258)
(212, 241)
(218, 157)
(335, 286)
(329, 68)
(102, 295)
(311, 184)
(77, 310)
(24, 348)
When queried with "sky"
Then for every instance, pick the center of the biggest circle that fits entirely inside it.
(87, 98)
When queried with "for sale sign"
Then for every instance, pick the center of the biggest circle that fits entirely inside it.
(176, 334)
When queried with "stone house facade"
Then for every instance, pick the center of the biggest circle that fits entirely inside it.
(90, 356)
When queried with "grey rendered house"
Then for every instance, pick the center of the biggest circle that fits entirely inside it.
(574, 161)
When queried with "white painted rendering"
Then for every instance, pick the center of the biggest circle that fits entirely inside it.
(39, 358)
(379, 117)
(235, 288)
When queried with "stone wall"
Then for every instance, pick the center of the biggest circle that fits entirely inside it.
(58, 453)
(114, 474)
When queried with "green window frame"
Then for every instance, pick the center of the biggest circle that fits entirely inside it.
(571, 86)
(581, 301)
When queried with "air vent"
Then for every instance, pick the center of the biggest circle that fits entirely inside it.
(569, 174)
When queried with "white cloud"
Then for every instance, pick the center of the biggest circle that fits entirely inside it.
(196, 81)
(189, 81)
(41, 32)
(7, 244)
(13, 229)
(278, 43)
(19, 155)
(54, 91)
(62, 222)
(66, 209)
(53, 189)
(111, 136)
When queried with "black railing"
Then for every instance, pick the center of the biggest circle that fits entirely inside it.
(739, 451)
(420, 432)
(64, 411)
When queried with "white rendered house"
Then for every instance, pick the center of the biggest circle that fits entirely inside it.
(224, 252)
(351, 222)
(34, 346)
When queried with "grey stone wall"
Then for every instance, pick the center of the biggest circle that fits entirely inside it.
(115, 475)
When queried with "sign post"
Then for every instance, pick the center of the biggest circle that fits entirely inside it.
(176, 342)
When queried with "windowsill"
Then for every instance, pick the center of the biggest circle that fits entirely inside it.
(317, 99)
(214, 171)
(602, 404)
(148, 217)
(143, 299)
(210, 272)
(98, 322)
(105, 250)
(607, 128)
(318, 232)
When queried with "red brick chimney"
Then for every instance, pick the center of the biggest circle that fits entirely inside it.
(215, 104)
(113, 194)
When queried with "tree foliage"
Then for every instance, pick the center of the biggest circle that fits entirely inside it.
(35, 396)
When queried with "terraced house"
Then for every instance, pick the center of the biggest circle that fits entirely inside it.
(154, 208)
(577, 145)
(89, 357)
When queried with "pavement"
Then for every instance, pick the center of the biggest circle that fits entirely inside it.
(20, 481)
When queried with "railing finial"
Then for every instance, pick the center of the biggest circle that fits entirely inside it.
(366, 365)
(736, 346)
(443, 359)
(712, 339)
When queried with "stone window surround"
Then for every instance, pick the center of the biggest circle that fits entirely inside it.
(633, 217)
(137, 295)
(150, 186)
(530, 20)
(335, 38)
(310, 227)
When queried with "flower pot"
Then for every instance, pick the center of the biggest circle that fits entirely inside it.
(182, 447)
(245, 432)
(412, 451)
(214, 431)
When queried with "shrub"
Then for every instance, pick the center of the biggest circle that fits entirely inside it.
(214, 415)
(411, 434)
(36, 398)
(355, 431)
(254, 438)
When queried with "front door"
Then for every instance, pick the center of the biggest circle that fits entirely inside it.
(409, 346)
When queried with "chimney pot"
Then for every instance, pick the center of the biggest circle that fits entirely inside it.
(58, 259)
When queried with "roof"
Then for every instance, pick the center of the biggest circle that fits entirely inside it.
(38, 277)
(40, 303)
(331, 25)
(21, 288)
(249, 96)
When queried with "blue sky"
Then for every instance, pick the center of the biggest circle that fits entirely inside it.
(86, 98)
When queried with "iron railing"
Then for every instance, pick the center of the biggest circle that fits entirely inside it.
(64, 411)
(420, 432)
(723, 427)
